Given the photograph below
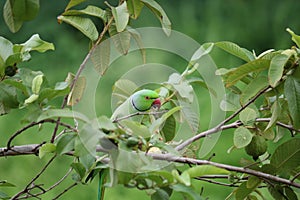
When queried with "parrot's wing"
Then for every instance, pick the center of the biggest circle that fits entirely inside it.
(124, 109)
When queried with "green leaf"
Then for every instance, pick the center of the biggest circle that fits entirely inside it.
(35, 43)
(235, 50)
(276, 191)
(186, 191)
(32, 98)
(160, 121)
(89, 10)
(230, 103)
(202, 51)
(185, 178)
(290, 193)
(6, 49)
(36, 84)
(276, 111)
(169, 129)
(160, 14)
(73, 3)
(237, 74)
(79, 168)
(101, 57)
(122, 90)
(106, 123)
(85, 25)
(202, 170)
(60, 89)
(77, 91)
(49, 94)
(286, 156)
(190, 115)
(4, 195)
(8, 98)
(66, 143)
(138, 39)
(292, 93)
(243, 191)
(54, 113)
(254, 87)
(242, 137)
(253, 182)
(8, 14)
(137, 128)
(276, 68)
(121, 40)
(295, 38)
(160, 194)
(121, 16)
(25, 10)
(46, 149)
(4, 183)
(181, 86)
(27, 76)
(17, 84)
(248, 116)
(134, 8)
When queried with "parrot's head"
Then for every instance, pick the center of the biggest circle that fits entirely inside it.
(145, 99)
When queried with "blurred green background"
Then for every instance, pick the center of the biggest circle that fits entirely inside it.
(256, 25)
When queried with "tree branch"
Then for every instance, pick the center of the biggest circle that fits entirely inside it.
(220, 125)
(26, 190)
(179, 159)
(185, 160)
(66, 190)
(32, 124)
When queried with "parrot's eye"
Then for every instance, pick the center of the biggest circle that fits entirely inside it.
(147, 97)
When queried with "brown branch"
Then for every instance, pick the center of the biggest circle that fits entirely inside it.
(43, 191)
(26, 189)
(221, 125)
(66, 190)
(185, 160)
(32, 124)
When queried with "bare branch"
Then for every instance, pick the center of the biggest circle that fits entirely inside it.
(32, 124)
(221, 126)
(66, 190)
(185, 160)
(26, 189)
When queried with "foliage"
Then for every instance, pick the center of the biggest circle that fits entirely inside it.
(262, 100)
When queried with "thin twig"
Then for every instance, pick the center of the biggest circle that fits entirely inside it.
(217, 182)
(43, 191)
(66, 190)
(25, 190)
(221, 125)
(32, 124)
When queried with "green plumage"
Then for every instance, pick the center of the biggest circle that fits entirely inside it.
(143, 100)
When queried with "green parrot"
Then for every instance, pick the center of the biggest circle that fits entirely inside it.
(145, 99)
(140, 101)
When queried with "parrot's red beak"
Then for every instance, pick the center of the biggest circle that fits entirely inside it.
(156, 104)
